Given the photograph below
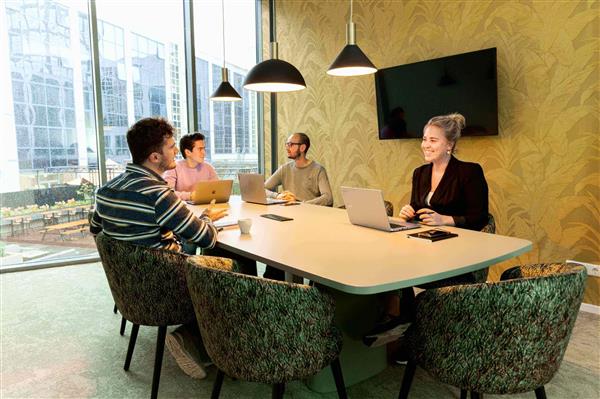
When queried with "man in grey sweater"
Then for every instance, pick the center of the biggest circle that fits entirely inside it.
(302, 179)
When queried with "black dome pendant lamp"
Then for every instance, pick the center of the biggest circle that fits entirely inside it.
(225, 92)
(351, 61)
(274, 75)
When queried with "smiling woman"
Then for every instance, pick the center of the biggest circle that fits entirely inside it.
(446, 191)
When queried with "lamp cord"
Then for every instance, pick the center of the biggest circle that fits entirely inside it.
(272, 18)
(223, 26)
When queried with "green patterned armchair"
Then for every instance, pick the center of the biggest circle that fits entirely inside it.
(499, 338)
(261, 330)
(149, 288)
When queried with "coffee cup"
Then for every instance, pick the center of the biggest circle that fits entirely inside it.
(245, 225)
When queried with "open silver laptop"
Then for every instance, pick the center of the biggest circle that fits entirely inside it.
(206, 191)
(366, 208)
(252, 187)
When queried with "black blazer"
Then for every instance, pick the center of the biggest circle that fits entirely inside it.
(462, 193)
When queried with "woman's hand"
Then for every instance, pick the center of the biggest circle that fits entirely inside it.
(407, 212)
(432, 218)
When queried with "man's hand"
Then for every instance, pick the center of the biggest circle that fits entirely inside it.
(214, 214)
(287, 196)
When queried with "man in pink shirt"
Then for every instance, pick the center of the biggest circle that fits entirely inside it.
(192, 168)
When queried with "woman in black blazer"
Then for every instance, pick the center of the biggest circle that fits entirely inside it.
(446, 191)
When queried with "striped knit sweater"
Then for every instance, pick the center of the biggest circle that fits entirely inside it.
(138, 206)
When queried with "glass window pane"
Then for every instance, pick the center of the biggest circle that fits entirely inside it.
(46, 157)
(138, 83)
(231, 128)
(40, 137)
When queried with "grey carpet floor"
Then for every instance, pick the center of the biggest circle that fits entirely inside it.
(59, 338)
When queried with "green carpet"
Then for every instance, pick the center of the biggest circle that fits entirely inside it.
(59, 338)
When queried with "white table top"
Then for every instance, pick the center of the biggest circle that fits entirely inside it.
(322, 245)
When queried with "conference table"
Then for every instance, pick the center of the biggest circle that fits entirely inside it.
(354, 264)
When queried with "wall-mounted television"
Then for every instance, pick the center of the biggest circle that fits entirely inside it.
(409, 95)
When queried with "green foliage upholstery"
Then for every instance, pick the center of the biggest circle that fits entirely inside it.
(148, 285)
(262, 330)
(498, 338)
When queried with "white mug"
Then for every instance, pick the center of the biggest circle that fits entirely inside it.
(245, 225)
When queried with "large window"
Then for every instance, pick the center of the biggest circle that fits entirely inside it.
(231, 128)
(48, 158)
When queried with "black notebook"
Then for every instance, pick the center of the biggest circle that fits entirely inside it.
(433, 235)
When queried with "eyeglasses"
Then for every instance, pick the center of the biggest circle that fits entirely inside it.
(289, 144)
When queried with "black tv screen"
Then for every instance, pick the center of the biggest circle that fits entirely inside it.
(409, 95)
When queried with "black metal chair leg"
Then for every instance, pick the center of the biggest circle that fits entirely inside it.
(132, 338)
(540, 393)
(216, 391)
(463, 394)
(278, 391)
(338, 377)
(158, 358)
(115, 309)
(409, 374)
(123, 323)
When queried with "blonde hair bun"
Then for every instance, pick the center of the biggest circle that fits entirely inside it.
(458, 119)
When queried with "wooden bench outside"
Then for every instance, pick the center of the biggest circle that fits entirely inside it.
(69, 228)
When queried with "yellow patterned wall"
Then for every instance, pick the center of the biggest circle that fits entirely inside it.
(543, 168)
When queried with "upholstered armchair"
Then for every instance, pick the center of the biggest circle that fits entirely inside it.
(149, 288)
(261, 330)
(498, 338)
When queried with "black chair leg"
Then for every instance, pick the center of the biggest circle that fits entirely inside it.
(338, 377)
(463, 394)
(216, 391)
(475, 395)
(540, 393)
(115, 309)
(132, 338)
(278, 391)
(158, 358)
(123, 323)
(409, 374)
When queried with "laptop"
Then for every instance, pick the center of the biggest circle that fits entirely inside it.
(252, 187)
(206, 191)
(366, 208)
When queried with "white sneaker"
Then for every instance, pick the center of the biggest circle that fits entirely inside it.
(184, 357)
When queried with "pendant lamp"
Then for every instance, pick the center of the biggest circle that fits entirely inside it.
(274, 75)
(351, 61)
(225, 92)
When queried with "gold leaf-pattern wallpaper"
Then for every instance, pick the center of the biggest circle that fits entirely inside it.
(543, 169)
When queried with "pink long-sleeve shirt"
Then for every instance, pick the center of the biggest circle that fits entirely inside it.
(182, 179)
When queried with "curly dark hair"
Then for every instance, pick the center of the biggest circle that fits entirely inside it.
(147, 136)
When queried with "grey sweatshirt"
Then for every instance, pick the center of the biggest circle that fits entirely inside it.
(310, 183)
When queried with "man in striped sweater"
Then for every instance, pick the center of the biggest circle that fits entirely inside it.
(138, 206)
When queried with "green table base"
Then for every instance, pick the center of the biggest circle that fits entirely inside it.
(355, 315)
